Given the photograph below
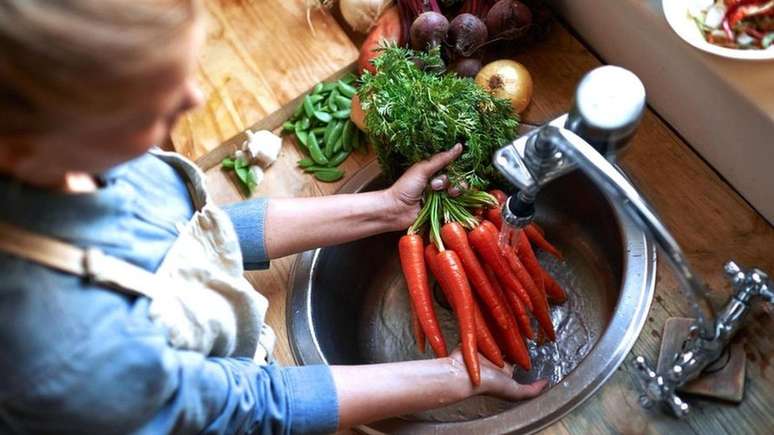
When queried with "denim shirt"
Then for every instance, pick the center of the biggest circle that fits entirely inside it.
(77, 358)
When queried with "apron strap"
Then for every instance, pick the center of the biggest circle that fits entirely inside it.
(90, 263)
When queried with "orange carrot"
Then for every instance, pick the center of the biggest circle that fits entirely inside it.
(555, 292)
(412, 262)
(484, 242)
(539, 302)
(485, 341)
(538, 239)
(500, 195)
(494, 216)
(456, 239)
(447, 269)
(511, 337)
(530, 261)
(419, 334)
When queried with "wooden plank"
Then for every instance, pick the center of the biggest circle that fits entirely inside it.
(711, 222)
(259, 56)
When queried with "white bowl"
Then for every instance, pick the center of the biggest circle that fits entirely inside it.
(676, 12)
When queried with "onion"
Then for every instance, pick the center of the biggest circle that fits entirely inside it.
(361, 15)
(507, 79)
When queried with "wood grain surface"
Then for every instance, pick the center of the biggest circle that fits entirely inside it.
(710, 220)
(259, 55)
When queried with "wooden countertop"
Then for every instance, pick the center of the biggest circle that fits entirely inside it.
(710, 220)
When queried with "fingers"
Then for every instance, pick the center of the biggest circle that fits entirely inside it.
(440, 160)
(455, 191)
(440, 182)
(515, 391)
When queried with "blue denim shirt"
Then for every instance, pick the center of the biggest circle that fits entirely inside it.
(80, 358)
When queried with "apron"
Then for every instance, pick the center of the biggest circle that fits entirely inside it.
(198, 294)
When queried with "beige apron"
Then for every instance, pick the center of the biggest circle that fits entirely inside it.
(198, 294)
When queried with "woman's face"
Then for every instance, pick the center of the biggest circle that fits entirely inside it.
(96, 145)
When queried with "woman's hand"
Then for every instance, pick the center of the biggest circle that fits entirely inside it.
(495, 381)
(406, 193)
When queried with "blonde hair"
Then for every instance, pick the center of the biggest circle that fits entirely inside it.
(70, 59)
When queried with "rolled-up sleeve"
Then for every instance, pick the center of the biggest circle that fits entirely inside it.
(249, 219)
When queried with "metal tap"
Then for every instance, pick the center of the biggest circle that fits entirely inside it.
(607, 109)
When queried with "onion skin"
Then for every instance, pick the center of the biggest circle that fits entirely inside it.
(508, 19)
(466, 33)
(428, 30)
(387, 28)
(466, 66)
(362, 15)
(509, 80)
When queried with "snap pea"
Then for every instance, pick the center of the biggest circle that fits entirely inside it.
(323, 116)
(338, 158)
(319, 130)
(327, 87)
(342, 114)
(297, 113)
(346, 136)
(346, 89)
(334, 138)
(316, 98)
(315, 151)
(317, 89)
(343, 102)
(331, 103)
(338, 144)
(288, 127)
(304, 123)
(308, 106)
(306, 162)
(328, 131)
(329, 176)
(301, 134)
(349, 78)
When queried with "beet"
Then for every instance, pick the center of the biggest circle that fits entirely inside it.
(428, 30)
(508, 19)
(466, 66)
(466, 33)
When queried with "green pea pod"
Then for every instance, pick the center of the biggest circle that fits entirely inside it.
(342, 114)
(301, 135)
(333, 140)
(329, 176)
(323, 116)
(331, 103)
(319, 130)
(316, 168)
(349, 78)
(297, 113)
(346, 136)
(315, 151)
(308, 106)
(317, 89)
(328, 131)
(338, 158)
(338, 145)
(316, 98)
(343, 102)
(305, 162)
(327, 87)
(227, 163)
(304, 123)
(288, 127)
(346, 89)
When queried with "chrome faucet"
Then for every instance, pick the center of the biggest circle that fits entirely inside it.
(607, 109)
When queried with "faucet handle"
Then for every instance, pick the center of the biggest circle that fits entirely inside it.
(748, 283)
(609, 103)
(657, 389)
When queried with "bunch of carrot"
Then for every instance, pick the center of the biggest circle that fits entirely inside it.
(489, 275)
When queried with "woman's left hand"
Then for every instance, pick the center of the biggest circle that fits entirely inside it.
(407, 192)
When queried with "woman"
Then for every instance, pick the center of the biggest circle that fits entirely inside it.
(122, 305)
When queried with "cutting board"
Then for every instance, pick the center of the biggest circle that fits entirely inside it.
(259, 56)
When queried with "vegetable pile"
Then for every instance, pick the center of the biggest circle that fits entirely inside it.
(490, 277)
(742, 24)
(323, 129)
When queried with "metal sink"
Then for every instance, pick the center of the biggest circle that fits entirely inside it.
(348, 305)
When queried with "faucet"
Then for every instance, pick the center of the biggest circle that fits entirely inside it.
(607, 109)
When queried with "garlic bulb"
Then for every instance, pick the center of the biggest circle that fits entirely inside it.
(361, 15)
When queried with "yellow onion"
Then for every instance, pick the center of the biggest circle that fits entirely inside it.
(361, 15)
(509, 80)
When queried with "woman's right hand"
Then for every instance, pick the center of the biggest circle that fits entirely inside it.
(495, 381)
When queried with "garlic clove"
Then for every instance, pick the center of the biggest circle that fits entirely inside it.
(262, 147)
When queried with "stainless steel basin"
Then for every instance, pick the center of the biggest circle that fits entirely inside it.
(348, 305)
